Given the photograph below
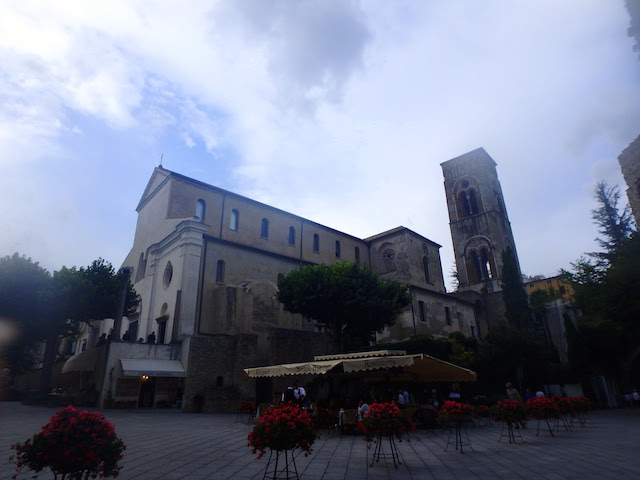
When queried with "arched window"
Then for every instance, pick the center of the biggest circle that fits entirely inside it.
(168, 275)
(423, 311)
(292, 236)
(142, 266)
(469, 199)
(473, 202)
(464, 204)
(220, 271)
(475, 263)
(200, 210)
(485, 265)
(235, 219)
(425, 265)
(316, 242)
(264, 228)
(357, 255)
(338, 252)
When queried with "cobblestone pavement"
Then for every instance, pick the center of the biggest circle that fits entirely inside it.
(170, 445)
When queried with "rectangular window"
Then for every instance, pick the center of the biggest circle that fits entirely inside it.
(447, 314)
(562, 290)
(316, 243)
(473, 330)
(423, 311)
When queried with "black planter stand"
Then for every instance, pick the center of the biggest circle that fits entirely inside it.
(281, 465)
(511, 433)
(459, 424)
(392, 454)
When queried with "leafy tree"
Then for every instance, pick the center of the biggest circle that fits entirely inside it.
(515, 298)
(22, 283)
(614, 224)
(508, 353)
(49, 307)
(348, 299)
(607, 336)
(81, 295)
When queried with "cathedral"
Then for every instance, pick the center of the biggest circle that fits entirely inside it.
(205, 263)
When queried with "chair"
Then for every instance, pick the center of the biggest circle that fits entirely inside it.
(348, 420)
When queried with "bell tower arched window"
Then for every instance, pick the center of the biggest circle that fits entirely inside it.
(425, 265)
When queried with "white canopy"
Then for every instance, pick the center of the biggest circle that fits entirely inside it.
(418, 367)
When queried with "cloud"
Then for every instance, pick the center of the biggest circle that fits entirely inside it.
(337, 111)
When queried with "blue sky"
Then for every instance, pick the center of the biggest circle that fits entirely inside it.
(338, 111)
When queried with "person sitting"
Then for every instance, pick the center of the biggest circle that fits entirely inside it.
(363, 409)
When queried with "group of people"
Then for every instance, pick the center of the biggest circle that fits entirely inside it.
(296, 394)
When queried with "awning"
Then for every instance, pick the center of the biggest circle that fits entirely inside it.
(428, 369)
(376, 353)
(137, 367)
(82, 362)
(416, 368)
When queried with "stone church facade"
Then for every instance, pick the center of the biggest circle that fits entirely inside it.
(205, 263)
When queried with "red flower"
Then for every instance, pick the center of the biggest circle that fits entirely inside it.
(283, 427)
(66, 446)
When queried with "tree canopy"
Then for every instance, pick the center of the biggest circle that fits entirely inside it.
(606, 338)
(615, 224)
(47, 307)
(346, 298)
(515, 298)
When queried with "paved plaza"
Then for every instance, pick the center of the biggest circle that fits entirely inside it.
(165, 444)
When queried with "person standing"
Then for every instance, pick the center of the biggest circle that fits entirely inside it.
(512, 393)
(288, 395)
(299, 393)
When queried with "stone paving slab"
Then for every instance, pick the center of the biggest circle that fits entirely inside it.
(170, 445)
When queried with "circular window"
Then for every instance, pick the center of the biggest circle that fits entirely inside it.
(388, 255)
(168, 275)
(465, 183)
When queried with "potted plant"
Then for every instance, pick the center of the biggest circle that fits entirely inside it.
(542, 408)
(456, 412)
(75, 445)
(512, 414)
(385, 420)
(280, 429)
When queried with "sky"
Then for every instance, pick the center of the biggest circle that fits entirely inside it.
(337, 111)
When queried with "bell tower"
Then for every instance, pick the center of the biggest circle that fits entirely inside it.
(480, 227)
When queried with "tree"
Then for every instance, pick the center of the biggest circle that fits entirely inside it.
(81, 295)
(510, 353)
(49, 307)
(348, 299)
(614, 224)
(22, 284)
(606, 338)
(515, 298)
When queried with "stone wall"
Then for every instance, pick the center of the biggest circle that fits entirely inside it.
(215, 380)
(630, 164)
